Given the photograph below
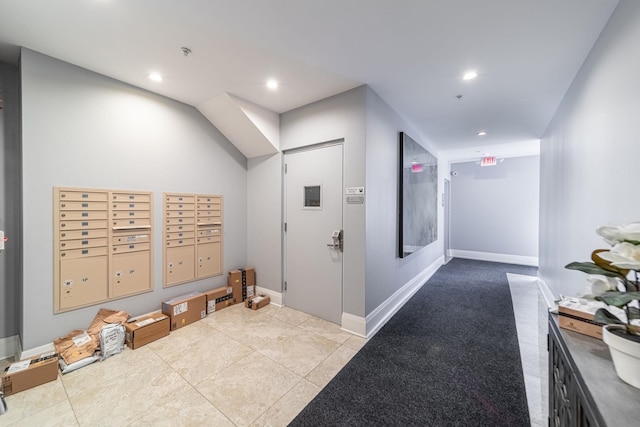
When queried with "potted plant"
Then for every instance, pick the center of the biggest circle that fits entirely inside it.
(614, 277)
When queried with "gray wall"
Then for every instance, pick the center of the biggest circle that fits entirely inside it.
(369, 128)
(81, 129)
(385, 272)
(339, 117)
(590, 152)
(264, 220)
(494, 209)
(10, 202)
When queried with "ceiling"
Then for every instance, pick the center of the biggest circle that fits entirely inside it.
(412, 53)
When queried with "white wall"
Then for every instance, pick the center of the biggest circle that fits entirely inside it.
(81, 129)
(495, 209)
(590, 152)
(386, 273)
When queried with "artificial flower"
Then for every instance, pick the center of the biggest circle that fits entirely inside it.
(614, 277)
(623, 255)
(599, 285)
(621, 233)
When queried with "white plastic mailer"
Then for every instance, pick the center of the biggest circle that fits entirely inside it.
(111, 340)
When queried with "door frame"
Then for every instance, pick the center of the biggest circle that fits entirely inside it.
(446, 205)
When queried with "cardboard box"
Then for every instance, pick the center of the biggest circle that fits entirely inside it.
(146, 328)
(219, 298)
(576, 314)
(239, 280)
(28, 373)
(76, 345)
(582, 327)
(185, 309)
(257, 302)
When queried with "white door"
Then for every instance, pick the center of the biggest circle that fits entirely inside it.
(313, 217)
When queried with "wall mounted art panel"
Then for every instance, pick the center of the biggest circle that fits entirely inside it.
(418, 197)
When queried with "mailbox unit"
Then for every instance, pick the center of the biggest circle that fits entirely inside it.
(103, 245)
(192, 237)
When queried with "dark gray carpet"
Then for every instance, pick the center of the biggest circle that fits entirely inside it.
(449, 357)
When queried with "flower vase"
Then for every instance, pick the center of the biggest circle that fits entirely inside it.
(625, 354)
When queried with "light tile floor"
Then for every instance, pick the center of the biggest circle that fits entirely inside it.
(238, 367)
(530, 309)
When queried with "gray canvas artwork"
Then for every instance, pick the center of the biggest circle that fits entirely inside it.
(418, 197)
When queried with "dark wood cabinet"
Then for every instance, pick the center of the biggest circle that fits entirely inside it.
(584, 389)
(568, 404)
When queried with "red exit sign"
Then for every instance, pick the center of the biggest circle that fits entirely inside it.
(488, 161)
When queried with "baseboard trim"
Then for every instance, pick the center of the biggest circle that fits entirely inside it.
(37, 351)
(276, 297)
(381, 315)
(356, 325)
(495, 257)
(549, 298)
(9, 347)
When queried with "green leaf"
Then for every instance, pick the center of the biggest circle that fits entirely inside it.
(630, 286)
(591, 268)
(634, 313)
(604, 316)
(619, 299)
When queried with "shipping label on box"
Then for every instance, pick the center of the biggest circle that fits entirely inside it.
(240, 280)
(185, 309)
(26, 374)
(146, 328)
(251, 291)
(219, 298)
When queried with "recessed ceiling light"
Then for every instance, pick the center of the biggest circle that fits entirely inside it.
(156, 77)
(469, 75)
(272, 84)
(482, 133)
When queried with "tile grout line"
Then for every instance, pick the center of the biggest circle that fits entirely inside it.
(301, 378)
(66, 393)
(192, 385)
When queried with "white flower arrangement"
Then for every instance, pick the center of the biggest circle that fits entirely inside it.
(613, 275)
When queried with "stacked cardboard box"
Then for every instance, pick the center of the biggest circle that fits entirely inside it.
(576, 314)
(243, 282)
(219, 298)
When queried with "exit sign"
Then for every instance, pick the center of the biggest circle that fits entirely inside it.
(488, 161)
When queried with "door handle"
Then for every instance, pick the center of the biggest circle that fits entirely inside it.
(336, 237)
